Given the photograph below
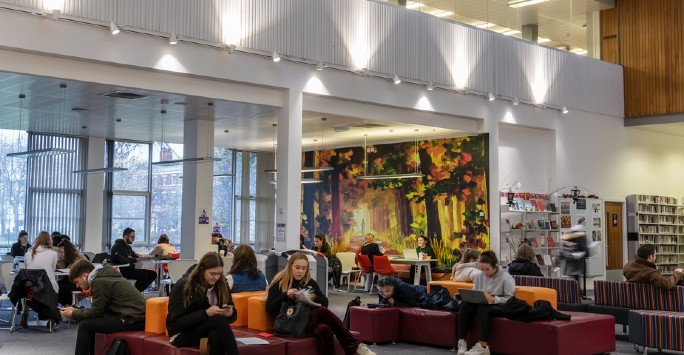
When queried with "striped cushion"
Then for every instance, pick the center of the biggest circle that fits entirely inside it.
(661, 329)
(638, 296)
(568, 290)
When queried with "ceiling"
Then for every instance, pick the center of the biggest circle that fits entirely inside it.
(562, 22)
(80, 109)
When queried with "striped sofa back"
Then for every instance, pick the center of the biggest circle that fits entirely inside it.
(568, 290)
(638, 296)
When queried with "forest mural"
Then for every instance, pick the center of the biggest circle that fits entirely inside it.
(448, 204)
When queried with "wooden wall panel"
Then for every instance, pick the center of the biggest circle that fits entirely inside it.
(651, 50)
(609, 40)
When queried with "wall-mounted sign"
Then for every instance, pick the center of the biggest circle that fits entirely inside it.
(280, 232)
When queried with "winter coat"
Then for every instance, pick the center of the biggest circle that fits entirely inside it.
(182, 319)
(244, 282)
(276, 297)
(45, 259)
(112, 295)
(122, 253)
(517, 309)
(44, 300)
(465, 272)
(524, 267)
(405, 295)
(645, 272)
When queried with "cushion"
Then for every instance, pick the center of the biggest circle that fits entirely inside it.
(568, 290)
(428, 326)
(241, 306)
(452, 286)
(258, 318)
(638, 296)
(531, 294)
(134, 341)
(159, 345)
(155, 315)
(377, 325)
(657, 329)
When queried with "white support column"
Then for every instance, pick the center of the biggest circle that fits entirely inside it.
(289, 176)
(198, 141)
(93, 240)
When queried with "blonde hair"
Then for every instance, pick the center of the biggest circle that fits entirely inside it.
(369, 238)
(285, 275)
(43, 239)
(524, 252)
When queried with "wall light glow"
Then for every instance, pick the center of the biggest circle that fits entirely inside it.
(170, 63)
(229, 21)
(424, 104)
(539, 83)
(509, 118)
(460, 66)
(315, 86)
(51, 5)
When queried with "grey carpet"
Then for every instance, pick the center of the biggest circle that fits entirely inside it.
(38, 341)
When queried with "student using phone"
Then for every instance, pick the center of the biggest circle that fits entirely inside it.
(498, 286)
(201, 309)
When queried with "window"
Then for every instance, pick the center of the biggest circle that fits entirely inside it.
(167, 195)
(12, 187)
(222, 203)
(245, 197)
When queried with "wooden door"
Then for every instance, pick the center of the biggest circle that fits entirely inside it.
(614, 238)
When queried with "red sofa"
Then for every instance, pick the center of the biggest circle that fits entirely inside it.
(586, 333)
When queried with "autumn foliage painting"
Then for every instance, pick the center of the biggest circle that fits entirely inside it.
(448, 203)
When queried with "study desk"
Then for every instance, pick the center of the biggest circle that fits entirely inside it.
(418, 265)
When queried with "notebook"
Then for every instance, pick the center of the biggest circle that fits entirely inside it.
(472, 296)
(410, 254)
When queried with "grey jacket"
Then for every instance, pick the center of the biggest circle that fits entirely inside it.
(500, 285)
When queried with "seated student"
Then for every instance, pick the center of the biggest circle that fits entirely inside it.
(244, 275)
(395, 292)
(467, 269)
(21, 246)
(41, 256)
(498, 287)
(643, 269)
(323, 323)
(217, 239)
(67, 255)
(369, 248)
(425, 248)
(321, 245)
(524, 263)
(116, 305)
(163, 247)
(122, 253)
(201, 309)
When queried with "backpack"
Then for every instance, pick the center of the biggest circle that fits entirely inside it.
(292, 320)
(336, 266)
(355, 302)
(118, 347)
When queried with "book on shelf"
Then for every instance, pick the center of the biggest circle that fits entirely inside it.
(520, 205)
(550, 242)
(547, 225)
(547, 260)
(528, 205)
(554, 224)
(540, 260)
(535, 243)
(542, 239)
(552, 207)
(540, 205)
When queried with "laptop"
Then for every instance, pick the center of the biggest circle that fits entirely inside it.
(410, 254)
(472, 296)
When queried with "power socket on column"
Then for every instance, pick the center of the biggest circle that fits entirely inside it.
(280, 210)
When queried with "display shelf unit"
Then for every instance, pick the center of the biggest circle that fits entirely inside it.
(657, 220)
(533, 228)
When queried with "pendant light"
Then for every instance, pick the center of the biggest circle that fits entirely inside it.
(226, 174)
(414, 175)
(313, 169)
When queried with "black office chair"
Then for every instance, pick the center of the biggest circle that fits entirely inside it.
(100, 258)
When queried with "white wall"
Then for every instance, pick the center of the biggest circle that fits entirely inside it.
(526, 155)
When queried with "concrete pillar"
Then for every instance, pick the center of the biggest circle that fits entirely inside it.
(594, 34)
(94, 209)
(491, 125)
(289, 176)
(198, 141)
(530, 32)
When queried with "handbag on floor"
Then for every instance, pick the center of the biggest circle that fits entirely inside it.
(292, 319)
(355, 302)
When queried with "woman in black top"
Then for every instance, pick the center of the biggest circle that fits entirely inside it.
(21, 246)
(321, 245)
(524, 263)
(201, 309)
(425, 248)
(323, 323)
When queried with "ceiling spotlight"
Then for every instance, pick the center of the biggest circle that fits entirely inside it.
(276, 57)
(173, 39)
(55, 13)
(516, 101)
(320, 66)
(114, 28)
(430, 86)
(564, 109)
(397, 81)
(231, 48)
(490, 96)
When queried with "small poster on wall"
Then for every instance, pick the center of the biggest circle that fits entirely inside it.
(565, 207)
(203, 217)
(581, 204)
(280, 232)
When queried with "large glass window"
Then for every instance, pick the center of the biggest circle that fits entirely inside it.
(12, 187)
(222, 203)
(129, 191)
(245, 197)
(167, 194)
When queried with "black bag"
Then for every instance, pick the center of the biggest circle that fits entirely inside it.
(118, 347)
(336, 266)
(355, 302)
(292, 320)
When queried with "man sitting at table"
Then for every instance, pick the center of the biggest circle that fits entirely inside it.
(116, 306)
(122, 253)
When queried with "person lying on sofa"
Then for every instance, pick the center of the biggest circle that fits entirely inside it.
(201, 309)
(524, 263)
(643, 269)
(467, 269)
(393, 291)
(498, 286)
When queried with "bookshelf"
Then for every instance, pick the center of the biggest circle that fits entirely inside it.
(532, 222)
(657, 220)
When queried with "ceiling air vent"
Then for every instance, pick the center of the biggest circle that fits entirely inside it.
(368, 125)
(118, 94)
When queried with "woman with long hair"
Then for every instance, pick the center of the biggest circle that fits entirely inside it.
(467, 269)
(524, 262)
(322, 246)
(21, 246)
(323, 324)
(41, 256)
(201, 309)
(67, 255)
(244, 275)
(498, 286)
(163, 247)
